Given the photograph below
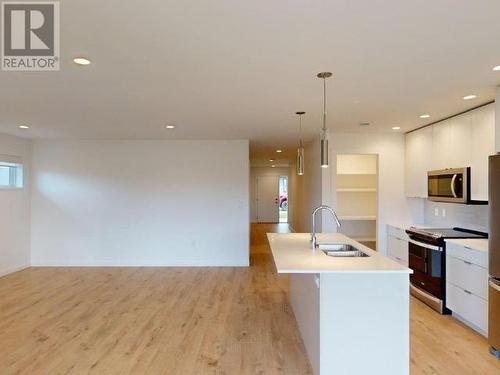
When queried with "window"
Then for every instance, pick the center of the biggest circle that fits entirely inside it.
(11, 172)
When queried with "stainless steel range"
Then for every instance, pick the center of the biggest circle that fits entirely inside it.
(426, 256)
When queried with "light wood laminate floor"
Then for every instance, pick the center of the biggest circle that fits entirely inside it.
(187, 321)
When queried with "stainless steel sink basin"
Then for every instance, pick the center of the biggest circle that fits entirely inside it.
(341, 250)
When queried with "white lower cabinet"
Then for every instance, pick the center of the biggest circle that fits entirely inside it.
(468, 276)
(467, 287)
(397, 245)
(467, 306)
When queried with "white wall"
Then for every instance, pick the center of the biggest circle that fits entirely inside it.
(134, 203)
(15, 211)
(497, 121)
(392, 206)
(306, 191)
(468, 216)
(256, 172)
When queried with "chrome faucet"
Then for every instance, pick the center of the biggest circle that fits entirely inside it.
(313, 233)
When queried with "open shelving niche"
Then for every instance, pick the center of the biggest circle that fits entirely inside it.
(356, 189)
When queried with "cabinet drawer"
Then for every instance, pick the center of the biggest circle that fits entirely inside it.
(398, 248)
(473, 256)
(468, 306)
(397, 232)
(399, 260)
(467, 276)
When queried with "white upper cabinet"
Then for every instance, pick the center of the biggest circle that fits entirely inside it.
(483, 145)
(418, 161)
(460, 150)
(441, 147)
(461, 141)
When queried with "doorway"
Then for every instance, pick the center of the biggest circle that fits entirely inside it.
(357, 196)
(283, 199)
(272, 199)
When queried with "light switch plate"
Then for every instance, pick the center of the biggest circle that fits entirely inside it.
(436, 211)
(443, 212)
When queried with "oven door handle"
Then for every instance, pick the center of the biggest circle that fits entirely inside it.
(453, 181)
(426, 245)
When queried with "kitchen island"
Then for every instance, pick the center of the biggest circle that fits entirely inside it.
(352, 312)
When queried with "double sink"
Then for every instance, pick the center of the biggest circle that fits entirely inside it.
(341, 250)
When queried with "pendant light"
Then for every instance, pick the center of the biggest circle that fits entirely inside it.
(324, 137)
(300, 150)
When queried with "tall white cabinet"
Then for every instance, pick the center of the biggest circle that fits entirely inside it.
(418, 161)
(483, 145)
(465, 140)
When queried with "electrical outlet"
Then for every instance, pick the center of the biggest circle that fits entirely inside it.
(436, 211)
(443, 212)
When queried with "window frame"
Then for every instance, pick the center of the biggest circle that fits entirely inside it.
(16, 175)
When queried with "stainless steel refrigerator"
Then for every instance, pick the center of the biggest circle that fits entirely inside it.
(494, 256)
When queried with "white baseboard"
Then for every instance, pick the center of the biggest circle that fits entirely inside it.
(113, 264)
(469, 324)
(8, 271)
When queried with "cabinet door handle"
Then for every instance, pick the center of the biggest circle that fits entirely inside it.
(316, 281)
(466, 291)
(466, 262)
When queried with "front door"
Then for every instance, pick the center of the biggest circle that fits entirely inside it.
(267, 199)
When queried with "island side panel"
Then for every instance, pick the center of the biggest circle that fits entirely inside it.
(304, 298)
(364, 323)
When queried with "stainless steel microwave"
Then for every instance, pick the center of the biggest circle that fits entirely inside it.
(449, 185)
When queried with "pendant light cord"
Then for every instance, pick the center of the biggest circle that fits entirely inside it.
(324, 105)
(300, 130)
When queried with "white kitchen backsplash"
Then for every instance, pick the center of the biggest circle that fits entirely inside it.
(456, 215)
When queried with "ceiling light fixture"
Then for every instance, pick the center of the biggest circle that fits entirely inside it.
(278, 151)
(271, 160)
(396, 128)
(273, 166)
(470, 97)
(425, 116)
(496, 68)
(300, 150)
(324, 136)
(24, 127)
(169, 126)
(81, 61)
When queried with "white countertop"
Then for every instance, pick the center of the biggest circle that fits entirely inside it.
(479, 244)
(292, 253)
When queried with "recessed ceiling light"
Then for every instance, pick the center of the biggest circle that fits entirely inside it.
(396, 127)
(496, 68)
(81, 61)
(470, 97)
(279, 151)
(169, 126)
(24, 127)
(273, 166)
(425, 116)
(271, 160)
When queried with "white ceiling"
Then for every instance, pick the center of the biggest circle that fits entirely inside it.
(240, 69)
